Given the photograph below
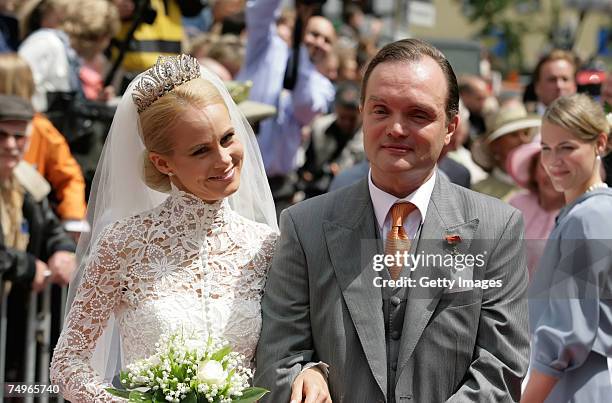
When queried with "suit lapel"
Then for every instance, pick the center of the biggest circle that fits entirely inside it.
(351, 241)
(443, 218)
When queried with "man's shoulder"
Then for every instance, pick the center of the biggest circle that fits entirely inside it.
(472, 204)
(474, 196)
(589, 218)
(326, 205)
(479, 204)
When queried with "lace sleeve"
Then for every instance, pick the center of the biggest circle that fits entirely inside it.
(95, 300)
(264, 257)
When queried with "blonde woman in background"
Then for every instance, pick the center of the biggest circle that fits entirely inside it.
(571, 292)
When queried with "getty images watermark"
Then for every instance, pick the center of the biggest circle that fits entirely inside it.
(458, 267)
(452, 263)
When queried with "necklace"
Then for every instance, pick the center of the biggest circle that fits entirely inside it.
(596, 186)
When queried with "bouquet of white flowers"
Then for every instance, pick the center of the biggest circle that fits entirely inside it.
(185, 368)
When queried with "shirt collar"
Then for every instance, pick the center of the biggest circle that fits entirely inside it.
(540, 108)
(383, 201)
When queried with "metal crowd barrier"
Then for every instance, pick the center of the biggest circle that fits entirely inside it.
(3, 320)
(38, 339)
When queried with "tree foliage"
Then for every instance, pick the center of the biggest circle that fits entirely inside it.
(495, 19)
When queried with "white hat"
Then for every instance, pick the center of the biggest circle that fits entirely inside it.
(510, 119)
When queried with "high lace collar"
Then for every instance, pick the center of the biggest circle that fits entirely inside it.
(186, 206)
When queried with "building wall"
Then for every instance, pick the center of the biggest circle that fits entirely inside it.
(451, 23)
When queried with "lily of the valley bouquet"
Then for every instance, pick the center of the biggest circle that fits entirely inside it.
(186, 368)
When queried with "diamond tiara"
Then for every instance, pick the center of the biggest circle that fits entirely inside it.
(167, 73)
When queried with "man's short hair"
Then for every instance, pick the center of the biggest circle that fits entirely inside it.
(467, 83)
(554, 55)
(413, 50)
(347, 95)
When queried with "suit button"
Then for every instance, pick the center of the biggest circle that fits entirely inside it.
(395, 335)
(395, 300)
(394, 366)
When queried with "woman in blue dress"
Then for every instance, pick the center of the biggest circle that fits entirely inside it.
(571, 297)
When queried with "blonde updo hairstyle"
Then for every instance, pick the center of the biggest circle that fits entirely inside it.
(162, 115)
(582, 116)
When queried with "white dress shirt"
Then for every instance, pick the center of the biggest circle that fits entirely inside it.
(383, 201)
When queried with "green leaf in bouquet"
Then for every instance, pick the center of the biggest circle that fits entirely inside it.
(218, 356)
(159, 397)
(192, 397)
(182, 373)
(193, 383)
(137, 396)
(177, 371)
(119, 392)
(228, 381)
(123, 378)
(250, 395)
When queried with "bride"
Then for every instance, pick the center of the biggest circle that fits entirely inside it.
(197, 257)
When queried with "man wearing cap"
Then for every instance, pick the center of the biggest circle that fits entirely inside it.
(510, 127)
(33, 245)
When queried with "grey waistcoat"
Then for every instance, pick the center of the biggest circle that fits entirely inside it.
(394, 311)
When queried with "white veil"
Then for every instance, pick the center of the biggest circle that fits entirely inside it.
(119, 191)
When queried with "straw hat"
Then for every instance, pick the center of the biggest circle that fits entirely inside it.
(252, 110)
(256, 111)
(509, 119)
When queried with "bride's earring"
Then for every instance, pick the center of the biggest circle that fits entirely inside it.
(170, 174)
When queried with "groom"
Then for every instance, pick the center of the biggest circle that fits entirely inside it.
(333, 322)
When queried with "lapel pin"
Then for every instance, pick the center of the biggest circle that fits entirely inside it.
(453, 240)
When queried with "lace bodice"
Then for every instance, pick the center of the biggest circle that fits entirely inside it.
(179, 264)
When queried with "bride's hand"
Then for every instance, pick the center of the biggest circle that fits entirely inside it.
(310, 387)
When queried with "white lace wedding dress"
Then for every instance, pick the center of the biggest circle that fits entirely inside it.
(185, 262)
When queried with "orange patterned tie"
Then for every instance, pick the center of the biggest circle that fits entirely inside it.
(397, 239)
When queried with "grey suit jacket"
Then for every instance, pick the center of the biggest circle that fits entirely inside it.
(320, 303)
